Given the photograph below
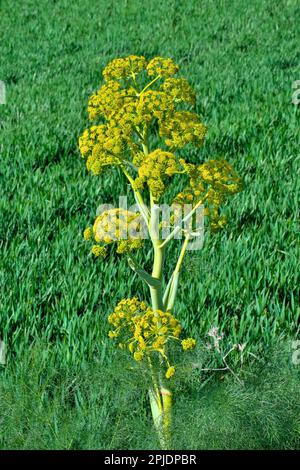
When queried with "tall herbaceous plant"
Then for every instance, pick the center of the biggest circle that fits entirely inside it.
(144, 116)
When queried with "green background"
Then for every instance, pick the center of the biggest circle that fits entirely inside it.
(242, 58)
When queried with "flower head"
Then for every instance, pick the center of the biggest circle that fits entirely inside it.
(183, 128)
(122, 68)
(88, 233)
(156, 168)
(162, 66)
(144, 331)
(179, 90)
(116, 226)
(98, 250)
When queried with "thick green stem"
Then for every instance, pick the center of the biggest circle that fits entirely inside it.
(158, 260)
(157, 415)
(161, 407)
(138, 197)
(156, 292)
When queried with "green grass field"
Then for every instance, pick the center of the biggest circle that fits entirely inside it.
(242, 58)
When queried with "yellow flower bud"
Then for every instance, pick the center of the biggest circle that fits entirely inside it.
(87, 234)
(138, 356)
(170, 372)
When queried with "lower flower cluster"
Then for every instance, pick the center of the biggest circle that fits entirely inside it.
(142, 330)
(115, 226)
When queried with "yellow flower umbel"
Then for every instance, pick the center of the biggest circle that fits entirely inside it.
(144, 331)
(179, 90)
(155, 169)
(183, 128)
(115, 226)
(124, 67)
(128, 106)
(188, 343)
(162, 67)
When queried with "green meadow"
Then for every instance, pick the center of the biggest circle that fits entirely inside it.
(63, 383)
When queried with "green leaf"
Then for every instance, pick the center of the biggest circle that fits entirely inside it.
(146, 277)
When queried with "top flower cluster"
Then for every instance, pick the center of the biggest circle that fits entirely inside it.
(135, 94)
(144, 117)
(126, 67)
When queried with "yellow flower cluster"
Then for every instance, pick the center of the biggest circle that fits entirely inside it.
(221, 176)
(106, 101)
(98, 250)
(196, 187)
(127, 246)
(155, 169)
(170, 372)
(143, 331)
(124, 67)
(88, 140)
(216, 220)
(188, 343)
(116, 226)
(154, 104)
(222, 181)
(163, 67)
(88, 233)
(182, 128)
(215, 179)
(117, 105)
(129, 108)
(102, 146)
(179, 90)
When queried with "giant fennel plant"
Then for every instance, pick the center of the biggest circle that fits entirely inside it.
(144, 114)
